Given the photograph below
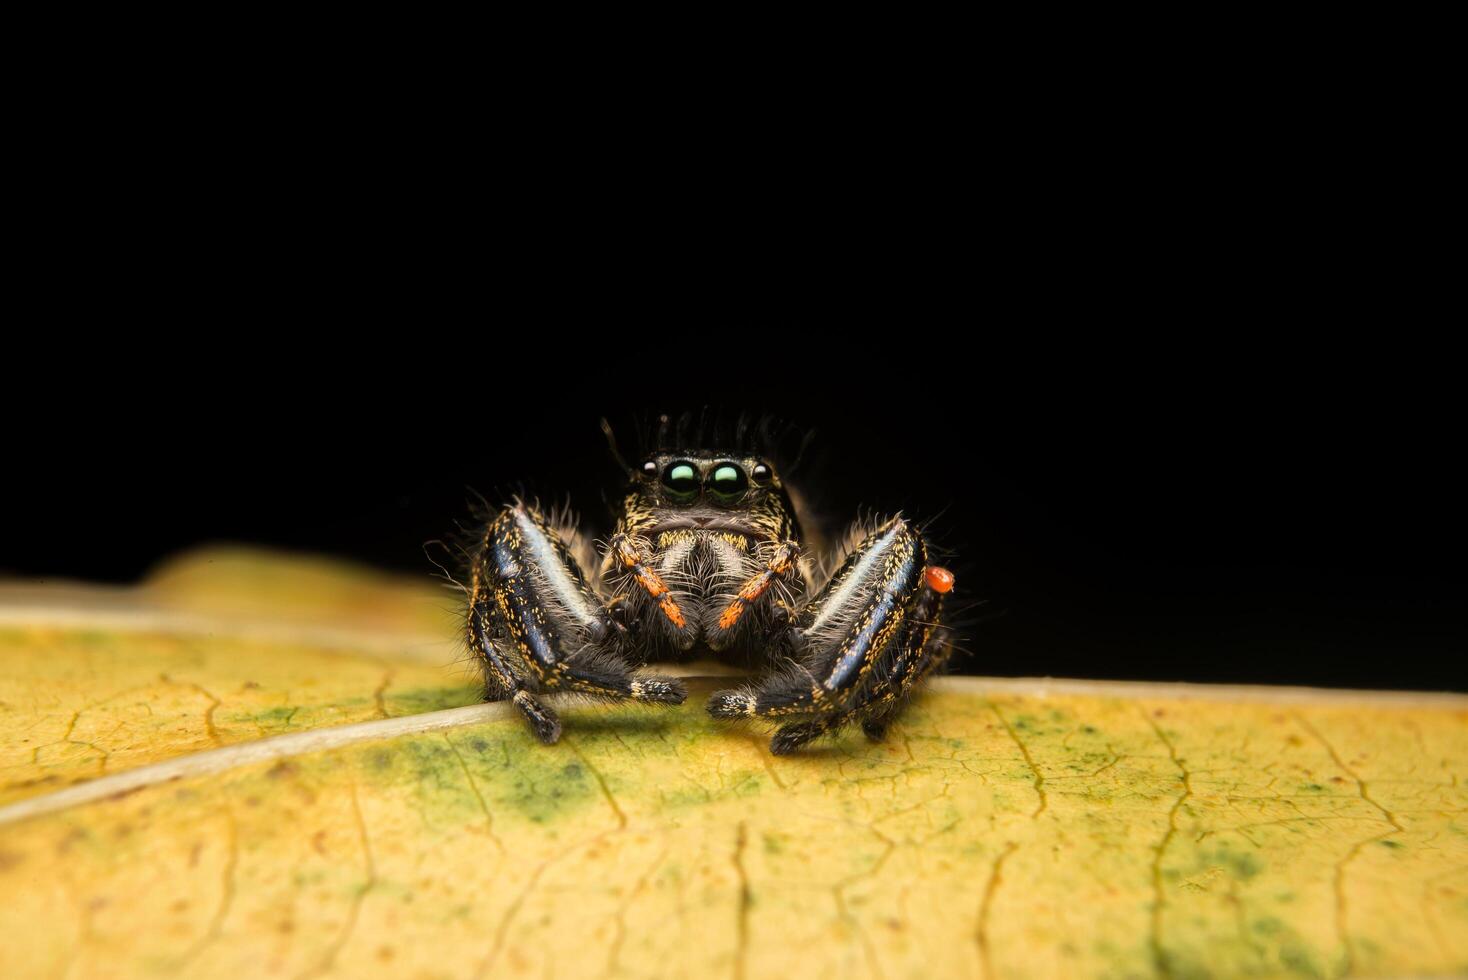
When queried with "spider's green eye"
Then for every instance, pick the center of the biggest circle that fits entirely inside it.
(727, 480)
(681, 479)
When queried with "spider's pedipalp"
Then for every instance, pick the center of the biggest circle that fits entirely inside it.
(730, 613)
(632, 563)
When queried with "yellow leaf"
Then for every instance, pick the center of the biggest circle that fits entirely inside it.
(195, 784)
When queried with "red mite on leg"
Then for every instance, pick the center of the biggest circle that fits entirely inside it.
(938, 579)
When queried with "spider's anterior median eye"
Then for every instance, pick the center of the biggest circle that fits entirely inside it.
(681, 479)
(727, 480)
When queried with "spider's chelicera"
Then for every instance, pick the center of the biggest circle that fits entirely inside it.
(706, 558)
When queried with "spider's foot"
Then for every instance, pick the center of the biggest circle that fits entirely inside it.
(791, 737)
(543, 721)
(784, 692)
(874, 729)
(731, 704)
(658, 690)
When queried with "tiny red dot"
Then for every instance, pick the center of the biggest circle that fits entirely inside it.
(939, 579)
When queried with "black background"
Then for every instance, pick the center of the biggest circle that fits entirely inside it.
(1192, 499)
(1165, 349)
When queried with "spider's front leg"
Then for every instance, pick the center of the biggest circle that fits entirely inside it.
(536, 625)
(867, 639)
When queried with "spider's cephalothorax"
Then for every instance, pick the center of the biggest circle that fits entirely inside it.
(721, 534)
(706, 557)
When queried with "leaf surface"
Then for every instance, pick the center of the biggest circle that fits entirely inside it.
(1005, 829)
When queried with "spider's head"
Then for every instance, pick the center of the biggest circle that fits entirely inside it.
(702, 478)
(707, 490)
(734, 489)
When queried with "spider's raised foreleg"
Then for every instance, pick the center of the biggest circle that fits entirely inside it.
(926, 648)
(867, 638)
(536, 625)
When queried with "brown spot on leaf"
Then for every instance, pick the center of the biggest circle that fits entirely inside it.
(282, 769)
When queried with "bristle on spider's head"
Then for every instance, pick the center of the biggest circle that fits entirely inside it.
(720, 432)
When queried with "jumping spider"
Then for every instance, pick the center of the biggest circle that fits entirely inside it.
(706, 557)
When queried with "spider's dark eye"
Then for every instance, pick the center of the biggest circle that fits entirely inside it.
(650, 468)
(727, 480)
(761, 474)
(681, 479)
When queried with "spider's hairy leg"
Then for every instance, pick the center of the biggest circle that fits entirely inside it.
(500, 679)
(537, 626)
(926, 649)
(866, 638)
(922, 647)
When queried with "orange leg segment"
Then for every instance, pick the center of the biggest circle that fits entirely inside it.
(780, 565)
(652, 583)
